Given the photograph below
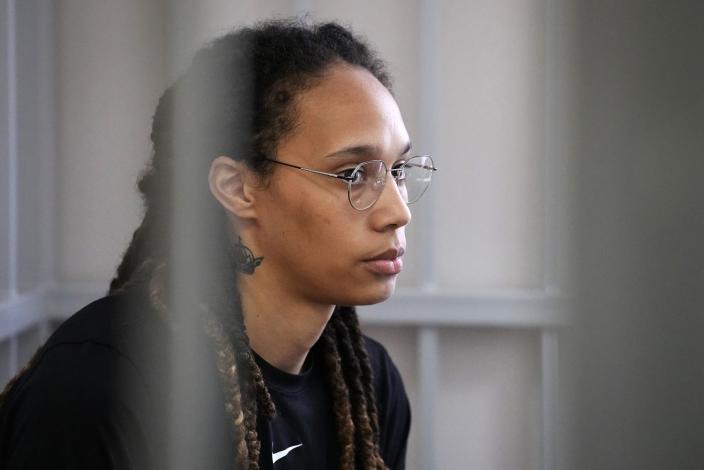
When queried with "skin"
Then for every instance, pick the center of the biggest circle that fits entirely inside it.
(313, 242)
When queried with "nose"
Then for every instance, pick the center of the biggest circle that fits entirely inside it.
(391, 208)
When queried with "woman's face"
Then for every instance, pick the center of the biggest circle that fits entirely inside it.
(312, 240)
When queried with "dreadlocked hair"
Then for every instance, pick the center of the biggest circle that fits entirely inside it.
(354, 355)
(237, 99)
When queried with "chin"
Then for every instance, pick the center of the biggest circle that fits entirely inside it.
(375, 295)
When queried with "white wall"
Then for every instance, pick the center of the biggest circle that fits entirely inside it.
(489, 137)
(110, 73)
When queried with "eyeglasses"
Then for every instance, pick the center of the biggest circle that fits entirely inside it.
(366, 181)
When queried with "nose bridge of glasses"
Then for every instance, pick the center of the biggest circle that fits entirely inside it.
(394, 187)
(395, 202)
(384, 174)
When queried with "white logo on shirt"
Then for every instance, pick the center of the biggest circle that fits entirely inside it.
(282, 453)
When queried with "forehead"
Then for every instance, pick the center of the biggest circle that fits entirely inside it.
(348, 106)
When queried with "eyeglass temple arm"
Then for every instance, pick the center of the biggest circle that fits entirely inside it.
(416, 165)
(348, 178)
(332, 175)
(425, 167)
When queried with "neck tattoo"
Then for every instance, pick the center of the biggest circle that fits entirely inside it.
(244, 259)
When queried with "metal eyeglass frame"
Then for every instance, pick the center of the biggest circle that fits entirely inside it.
(350, 178)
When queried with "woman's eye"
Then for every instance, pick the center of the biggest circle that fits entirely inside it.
(358, 176)
(399, 173)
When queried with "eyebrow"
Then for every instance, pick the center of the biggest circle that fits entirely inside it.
(366, 151)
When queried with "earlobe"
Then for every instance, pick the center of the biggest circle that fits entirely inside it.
(230, 184)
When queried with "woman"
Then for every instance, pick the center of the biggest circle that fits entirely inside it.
(276, 200)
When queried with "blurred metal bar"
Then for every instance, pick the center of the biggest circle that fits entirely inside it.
(552, 134)
(427, 386)
(529, 309)
(503, 309)
(11, 52)
(549, 360)
(427, 99)
(46, 46)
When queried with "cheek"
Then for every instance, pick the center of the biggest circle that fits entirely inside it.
(318, 215)
(330, 242)
(321, 226)
(303, 226)
(315, 235)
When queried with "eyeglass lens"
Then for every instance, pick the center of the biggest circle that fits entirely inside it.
(412, 179)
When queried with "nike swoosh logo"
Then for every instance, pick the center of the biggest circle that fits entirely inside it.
(282, 453)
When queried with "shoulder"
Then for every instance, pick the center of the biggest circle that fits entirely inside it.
(387, 379)
(111, 339)
(375, 349)
(113, 320)
(394, 410)
(70, 382)
(80, 404)
(85, 385)
(114, 339)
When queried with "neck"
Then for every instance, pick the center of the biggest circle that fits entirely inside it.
(281, 328)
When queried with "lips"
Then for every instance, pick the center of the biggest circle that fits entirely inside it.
(389, 254)
(389, 262)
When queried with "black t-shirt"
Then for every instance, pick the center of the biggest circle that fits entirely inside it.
(98, 397)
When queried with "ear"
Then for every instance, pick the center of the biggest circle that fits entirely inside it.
(232, 184)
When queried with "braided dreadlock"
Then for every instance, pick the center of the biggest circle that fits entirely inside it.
(236, 99)
(363, 403)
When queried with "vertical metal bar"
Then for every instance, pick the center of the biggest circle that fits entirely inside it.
(427, 387)
(550, 395)
(427, 96)
(12, 147)
(47, 120)
(554, 135)
(548, 146)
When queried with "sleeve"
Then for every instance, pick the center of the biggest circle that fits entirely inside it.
(393, 407)
(80, 407)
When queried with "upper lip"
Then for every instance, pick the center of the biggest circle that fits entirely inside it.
(391, 253)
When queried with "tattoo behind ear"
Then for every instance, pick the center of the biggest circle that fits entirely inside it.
(244, 259)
